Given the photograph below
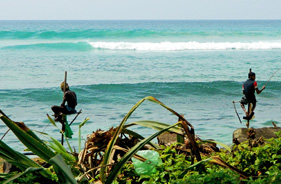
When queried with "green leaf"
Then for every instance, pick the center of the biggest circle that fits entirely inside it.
(58, 148)
(83, 123)
(79, 133)
(194, 165)
(18, 159)
(155, 125)
(51, 120)
(28, 170)
(112, 142)
(62, 169)
(37, 147)
(63, 133)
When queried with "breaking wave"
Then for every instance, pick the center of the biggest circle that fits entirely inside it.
(149, 46)
(178, 46)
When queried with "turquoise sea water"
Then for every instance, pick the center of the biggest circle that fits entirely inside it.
(194, 67)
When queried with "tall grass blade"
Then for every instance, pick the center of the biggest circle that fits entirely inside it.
(110, 145)
(58, 148)
(53, 122)
(113, 141)
(79, 136)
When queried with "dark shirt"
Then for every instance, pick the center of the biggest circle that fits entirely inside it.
(249, 87)
(70, 98)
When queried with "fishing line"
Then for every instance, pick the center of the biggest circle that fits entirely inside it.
(1, 112)
(46, 126)
(5, 134)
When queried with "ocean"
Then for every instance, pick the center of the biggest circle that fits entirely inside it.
(194, 67)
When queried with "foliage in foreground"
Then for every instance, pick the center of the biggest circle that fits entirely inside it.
(262, 164)
(100, 162)
(72, 168)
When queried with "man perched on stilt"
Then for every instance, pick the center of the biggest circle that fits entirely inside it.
(249, 87)
(71, 99)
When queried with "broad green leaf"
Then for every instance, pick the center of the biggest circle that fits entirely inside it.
(62, 169)
(18, 159)
(37, 147)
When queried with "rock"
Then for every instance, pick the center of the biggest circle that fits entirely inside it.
(265, 132)
(167, 138)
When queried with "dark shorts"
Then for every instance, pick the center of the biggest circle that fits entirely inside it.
(63, 109)
(70, 110)
(245, 100)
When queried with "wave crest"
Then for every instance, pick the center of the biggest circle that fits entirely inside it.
(178, 46)
(149, 46)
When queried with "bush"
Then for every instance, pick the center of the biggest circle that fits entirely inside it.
(262, 164)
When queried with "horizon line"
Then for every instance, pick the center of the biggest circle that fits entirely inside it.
(136, 19)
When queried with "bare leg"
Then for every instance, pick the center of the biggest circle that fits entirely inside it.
(244, 109)
(57, 112)
(253, 108)
(249, 112)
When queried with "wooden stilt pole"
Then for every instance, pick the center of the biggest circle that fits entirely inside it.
(248, 121)
(62, 136)
(249, 107)
(62, 128)
(63, 118)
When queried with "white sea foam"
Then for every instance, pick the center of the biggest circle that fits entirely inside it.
(177, 46)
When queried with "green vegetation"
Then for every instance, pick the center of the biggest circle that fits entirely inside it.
(261, 164)
(106, 156)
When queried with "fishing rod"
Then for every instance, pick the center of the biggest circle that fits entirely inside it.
(272, 76)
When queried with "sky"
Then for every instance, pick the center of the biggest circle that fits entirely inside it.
(139, 9)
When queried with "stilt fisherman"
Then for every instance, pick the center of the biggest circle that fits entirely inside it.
(71, 99)
(249, 87)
